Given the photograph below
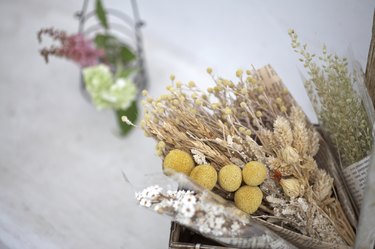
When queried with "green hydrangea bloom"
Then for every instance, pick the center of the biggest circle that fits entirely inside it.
(107, 92)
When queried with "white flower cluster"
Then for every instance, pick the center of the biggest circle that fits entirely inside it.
(199, 211)
(185, 206)
(182, 202)
(148, 195)
(198, 156)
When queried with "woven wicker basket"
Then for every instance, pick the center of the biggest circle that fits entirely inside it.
(183, 238)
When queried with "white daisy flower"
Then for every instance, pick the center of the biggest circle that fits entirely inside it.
(189, 199)
(188, 210)
(145, 203)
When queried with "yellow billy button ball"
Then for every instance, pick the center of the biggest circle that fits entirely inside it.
(248, 198)
(179, 161)
(254, 173)
(230, 177)
(204, 175)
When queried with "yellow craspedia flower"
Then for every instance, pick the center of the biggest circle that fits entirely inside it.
(179, 161)
(248, 198)
(230, 177)
(204, 175)
(254, 173)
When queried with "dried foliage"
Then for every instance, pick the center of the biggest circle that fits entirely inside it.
(253, 119)
(339, 106)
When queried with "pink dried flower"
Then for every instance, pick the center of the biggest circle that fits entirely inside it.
(74, 47)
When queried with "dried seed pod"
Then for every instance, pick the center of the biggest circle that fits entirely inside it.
(290, 155)
(291, 187)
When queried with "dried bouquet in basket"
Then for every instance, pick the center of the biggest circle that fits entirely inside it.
(249, 142)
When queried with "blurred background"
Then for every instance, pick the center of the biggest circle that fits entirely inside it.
(61, 161)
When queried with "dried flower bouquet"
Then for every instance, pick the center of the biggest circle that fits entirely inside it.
(345, 112)
(340, 108)
(210, 215)
(261, 147)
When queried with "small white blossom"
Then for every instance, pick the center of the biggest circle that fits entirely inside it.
(151, 192)
(172, 193)
(189, 199)
(204, 228)
(198, 156)
(219, 221)
(217, 232)
(183, 220)
(230, 141)
(145, 203)
(188, 210)
(235, 227)
(180, 194)
(176, 205)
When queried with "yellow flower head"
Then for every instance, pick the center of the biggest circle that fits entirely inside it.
(144, 92)
(179, 161)
(248, 199)
(254, 173)
(227, 111)
(239, 73)
(230, 177)
(191, 84)
(204, 175)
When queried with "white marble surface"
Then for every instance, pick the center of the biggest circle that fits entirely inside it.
(60, 160)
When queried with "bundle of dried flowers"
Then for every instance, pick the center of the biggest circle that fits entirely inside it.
(237, 123)
(333, 91)
(210, 215)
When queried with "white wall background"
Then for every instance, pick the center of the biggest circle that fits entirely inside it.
(61, 161)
